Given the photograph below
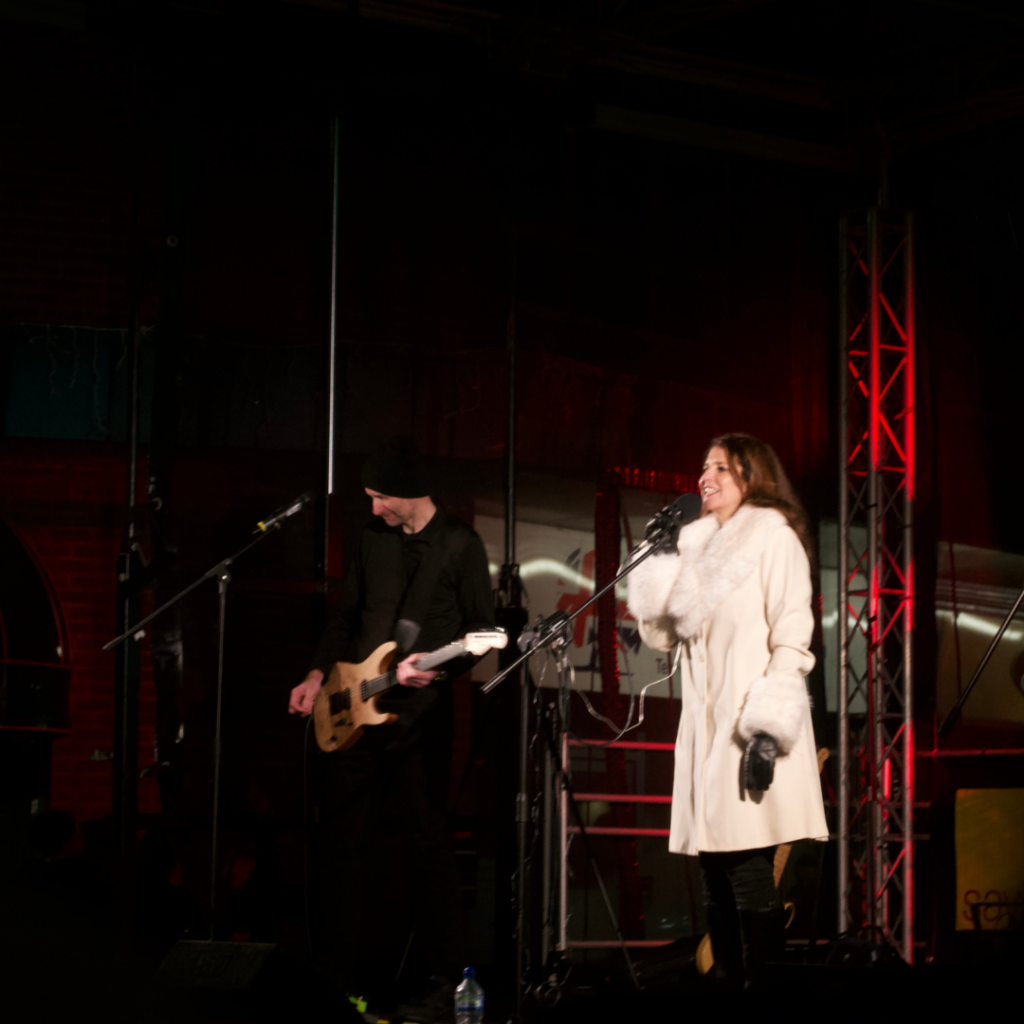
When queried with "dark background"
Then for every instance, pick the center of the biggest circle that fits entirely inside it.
(648, 192)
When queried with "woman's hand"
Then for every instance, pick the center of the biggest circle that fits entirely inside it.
(759, 761)
(664, 529)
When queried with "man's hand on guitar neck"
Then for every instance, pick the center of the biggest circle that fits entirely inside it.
(408, 675)
(303, 695)
(301, 701)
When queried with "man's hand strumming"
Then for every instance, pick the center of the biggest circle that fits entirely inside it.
(301, 702)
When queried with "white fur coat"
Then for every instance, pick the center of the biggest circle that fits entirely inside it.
(737, 599)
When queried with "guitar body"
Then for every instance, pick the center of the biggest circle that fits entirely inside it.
(347, 702)
(339, 712)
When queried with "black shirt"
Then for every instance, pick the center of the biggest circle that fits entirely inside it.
(377, 584)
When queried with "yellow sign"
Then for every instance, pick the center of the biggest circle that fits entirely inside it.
(989, 859)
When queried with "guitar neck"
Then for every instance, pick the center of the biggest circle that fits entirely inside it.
(373, 687)
(441, 655)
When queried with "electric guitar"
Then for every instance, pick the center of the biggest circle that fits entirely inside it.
(347, 702)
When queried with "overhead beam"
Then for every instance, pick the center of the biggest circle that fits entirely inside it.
(683, 132)
(428, 14)
(954, 118)
(976, 11)
(557, 46)
(625, 44)
(733, 76)
(678, 17)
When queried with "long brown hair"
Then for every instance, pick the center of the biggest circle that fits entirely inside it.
(759, 475)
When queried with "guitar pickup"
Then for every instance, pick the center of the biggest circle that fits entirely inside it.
(340, 702)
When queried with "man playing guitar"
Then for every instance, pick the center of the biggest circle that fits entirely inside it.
(414, 562)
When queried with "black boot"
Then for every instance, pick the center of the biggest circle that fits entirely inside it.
(725, 947)
(764, 939)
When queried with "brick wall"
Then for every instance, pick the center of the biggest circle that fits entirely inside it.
(66, 500)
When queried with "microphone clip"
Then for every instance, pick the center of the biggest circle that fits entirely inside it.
(544, 630)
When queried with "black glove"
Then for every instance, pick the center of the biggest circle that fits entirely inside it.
(668, 528)
(759, 761)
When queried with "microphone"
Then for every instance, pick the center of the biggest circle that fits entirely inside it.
(685, 507)
(664, 527)
(274, 521)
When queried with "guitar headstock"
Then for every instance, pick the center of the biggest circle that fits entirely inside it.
(484, 641)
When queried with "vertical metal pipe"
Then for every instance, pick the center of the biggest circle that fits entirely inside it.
(845, 269)
(522, 825)
(136, 273)
(332, 360)
(126, 763)
(547, 938)
(222, 593)
(563, 844)
(910, 438)
(876, 704)
(510, 444)
(512, 597)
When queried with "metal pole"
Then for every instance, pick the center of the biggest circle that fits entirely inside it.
(332, 367)
(512, 599)
(222, 591)
(126, 775)
(522, 824)
(908, 607)
(875, 826)
(846, 267)
(563, 844)
(510, 443)
(547, 837)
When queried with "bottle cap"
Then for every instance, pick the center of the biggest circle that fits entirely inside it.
(469, 972)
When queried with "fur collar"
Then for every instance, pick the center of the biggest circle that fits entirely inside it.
(712, 562)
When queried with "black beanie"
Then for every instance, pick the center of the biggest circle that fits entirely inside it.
(395, 469)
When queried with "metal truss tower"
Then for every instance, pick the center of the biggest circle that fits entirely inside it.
(876, 576)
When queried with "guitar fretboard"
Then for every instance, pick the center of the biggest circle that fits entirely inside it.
(371, 687)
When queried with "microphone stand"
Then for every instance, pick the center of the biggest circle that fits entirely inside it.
(954, 714)
(223, 577)
(554, 630)
(550, 628)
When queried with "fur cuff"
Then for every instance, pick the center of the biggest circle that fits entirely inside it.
(775, 705)
(649, 586)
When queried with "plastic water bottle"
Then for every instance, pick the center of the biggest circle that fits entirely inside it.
(469, 999)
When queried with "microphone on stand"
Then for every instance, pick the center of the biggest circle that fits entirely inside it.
(542, 630)
(683, 509)
(664, 527)
(272, 522)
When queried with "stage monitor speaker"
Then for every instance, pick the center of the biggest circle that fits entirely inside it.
(221, 966)
(261, 974)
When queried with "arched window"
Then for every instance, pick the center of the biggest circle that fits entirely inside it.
(34, 666)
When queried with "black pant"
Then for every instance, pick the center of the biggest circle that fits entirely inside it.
(386, 770)
(739, 892)
(740, 880)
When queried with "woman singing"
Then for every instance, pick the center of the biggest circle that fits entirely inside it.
(733, 591)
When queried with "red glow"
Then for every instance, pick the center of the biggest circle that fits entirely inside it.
(909, 604)
(652, 480)
(623, 745)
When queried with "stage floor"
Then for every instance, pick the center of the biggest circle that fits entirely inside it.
(61, 959)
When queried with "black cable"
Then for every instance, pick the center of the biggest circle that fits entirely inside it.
(305, 832)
